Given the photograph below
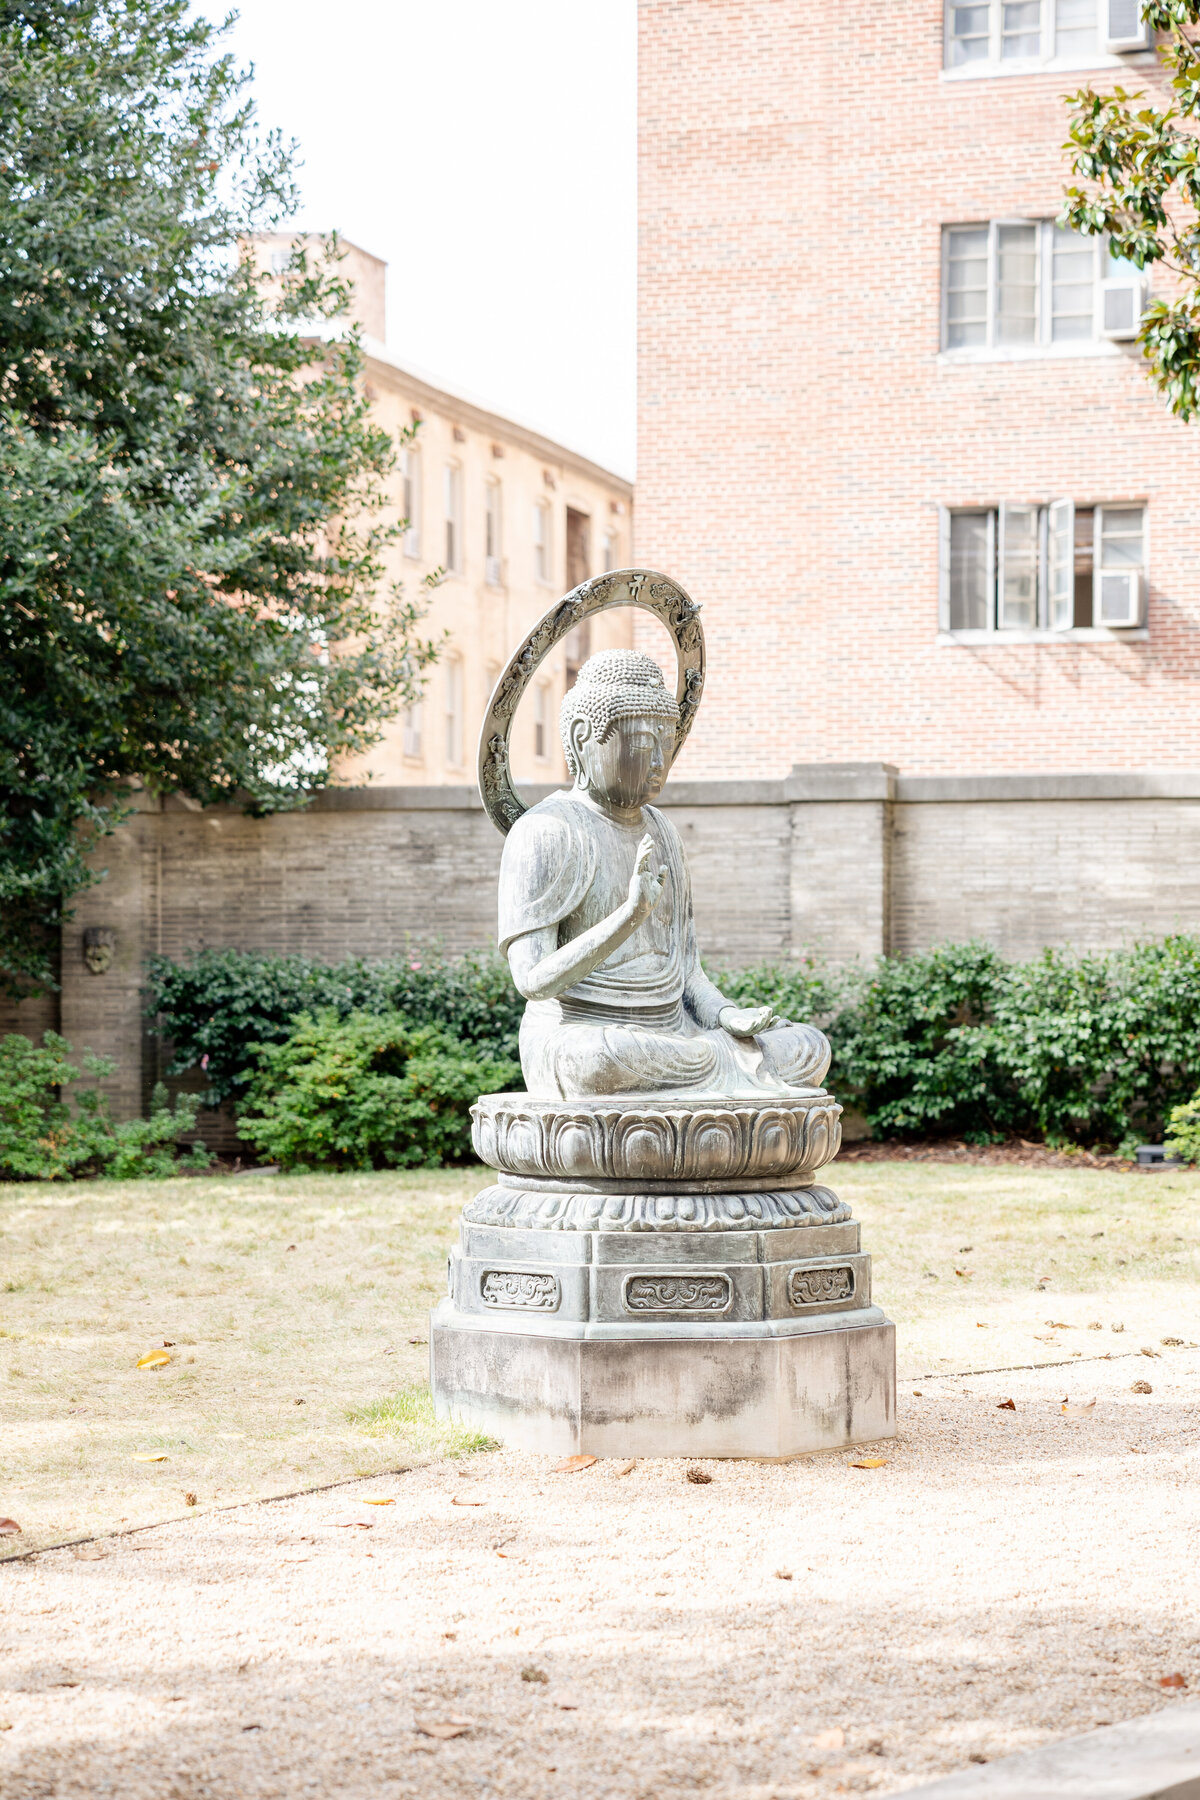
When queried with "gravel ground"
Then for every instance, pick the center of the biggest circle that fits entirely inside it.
(795, 1630)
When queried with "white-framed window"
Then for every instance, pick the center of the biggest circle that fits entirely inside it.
(1015, 37)
(1042, 568)
(453, 679)
(610, 551)
(492, 528)
(452, 508)
(410, 468)
(1027, 286)
(542, 565)
(412, 731)
(541, 720)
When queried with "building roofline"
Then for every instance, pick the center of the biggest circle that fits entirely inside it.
(474, 413)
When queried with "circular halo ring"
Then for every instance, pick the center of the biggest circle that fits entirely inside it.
(656, 594)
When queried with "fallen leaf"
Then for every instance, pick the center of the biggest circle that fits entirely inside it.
(442, 1728)
(570, 1465)
(1173, 1681)
(379, 1502)
(168, 1343)
(1006, 1406)
(353, 1524)
(625, 1468)
(532, 1673)
(833, 1739)
(1146, 1352)
(869, 1462)
(700, 1477)
(980, 1326)
(783, 1574)
(1083, 1409)
(189, 1499)
(1172, 1343)
(1116, 1328)
(1141, 1387)
(150, 1456)
(5, 1724)
(9, 1528)
(418, 1340)
(455, 1501)
(965, 1273)
(153, 1360)
(251, 1727)
(1059, 1325)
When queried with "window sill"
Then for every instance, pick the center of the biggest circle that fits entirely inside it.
(1016, 353)
(1085, 634)
(1101, 61)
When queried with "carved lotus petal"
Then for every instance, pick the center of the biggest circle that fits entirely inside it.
(717, 1144)
(778, 1140)
(520, 1144)
(574, 1144)
(644, 1147)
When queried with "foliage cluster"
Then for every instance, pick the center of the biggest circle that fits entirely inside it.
(368, 1091)
(44, 1137)
(221, 1003)
(1141, 166)
(1091, 1049)
(194, 535)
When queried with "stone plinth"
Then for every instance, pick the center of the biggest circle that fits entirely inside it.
(724, 1312)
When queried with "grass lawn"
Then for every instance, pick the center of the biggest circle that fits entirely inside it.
(291, 1306)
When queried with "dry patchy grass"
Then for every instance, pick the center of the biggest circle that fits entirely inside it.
(290, 1306)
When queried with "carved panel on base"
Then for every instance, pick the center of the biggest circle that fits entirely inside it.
(820, 1287)
(518, 1288)
(669, 1293)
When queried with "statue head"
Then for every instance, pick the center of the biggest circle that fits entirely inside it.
(618, 727)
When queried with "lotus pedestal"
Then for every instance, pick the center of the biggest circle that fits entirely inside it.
(657, 1276)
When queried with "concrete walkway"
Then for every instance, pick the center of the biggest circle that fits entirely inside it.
(1008, 1577)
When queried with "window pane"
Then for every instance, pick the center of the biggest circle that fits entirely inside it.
(1061, 572)
(1121, 538)
(968, 39)
(1021, 28)
(1018, 595)
(966, 286)
(1116, 603)
(1075, 28)
(970, 574)
(1016, 300)
(1072, 272)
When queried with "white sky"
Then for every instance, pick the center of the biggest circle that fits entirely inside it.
(486, 149)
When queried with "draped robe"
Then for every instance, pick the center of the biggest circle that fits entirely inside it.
(646, 1019)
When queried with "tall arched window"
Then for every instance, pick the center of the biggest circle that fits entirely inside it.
(452, 485)
(411, 469)
(541, 540)
(492, 533)
(453, 678)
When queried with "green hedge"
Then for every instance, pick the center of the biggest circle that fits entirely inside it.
(220, 1003)
(1092, 1049)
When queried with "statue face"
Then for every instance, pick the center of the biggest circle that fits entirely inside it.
(631, 765)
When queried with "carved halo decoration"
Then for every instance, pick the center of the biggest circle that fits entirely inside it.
(656, 594)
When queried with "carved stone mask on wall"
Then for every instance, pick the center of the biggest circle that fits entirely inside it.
(99, 948)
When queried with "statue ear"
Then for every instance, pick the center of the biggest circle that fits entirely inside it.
(579, 731)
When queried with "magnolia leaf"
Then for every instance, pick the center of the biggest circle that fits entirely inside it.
(154, 1360)
(625, 1468)
(150, 1456)
(869, 1462)
(571, 1465)
(1082, 1410)
(455, 1501)
(442, 1728)
(9, 1528)
(1173, 1681)
(379, 1502)
(1006, 1406)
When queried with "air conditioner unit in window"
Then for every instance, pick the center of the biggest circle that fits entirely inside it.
(1119, 597)
(1121, 304)
(1124, 27)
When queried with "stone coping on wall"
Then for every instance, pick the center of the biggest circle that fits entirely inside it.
(808, 783)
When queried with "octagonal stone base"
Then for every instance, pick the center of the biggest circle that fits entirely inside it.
(778, 1389)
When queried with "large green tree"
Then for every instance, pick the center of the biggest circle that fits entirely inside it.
(194, 513)
(1141, 167)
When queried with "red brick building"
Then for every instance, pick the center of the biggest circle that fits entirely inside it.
(937, 515)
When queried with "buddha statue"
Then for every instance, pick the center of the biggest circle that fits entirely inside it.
(596, 922)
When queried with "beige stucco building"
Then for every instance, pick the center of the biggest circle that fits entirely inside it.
(514, 520)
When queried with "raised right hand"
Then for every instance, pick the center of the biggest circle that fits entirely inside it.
(646, 882)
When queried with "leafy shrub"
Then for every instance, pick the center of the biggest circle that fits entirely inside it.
(1183, 1130)
(221, 1003)
(46, 1138)
(368, 1091)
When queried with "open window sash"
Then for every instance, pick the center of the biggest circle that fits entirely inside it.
(1018, 562)
(1060, 565)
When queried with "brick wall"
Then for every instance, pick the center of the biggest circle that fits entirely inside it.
(798, 430)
